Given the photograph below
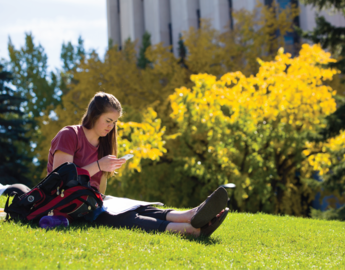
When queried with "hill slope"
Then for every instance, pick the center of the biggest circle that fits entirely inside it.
(250, 241)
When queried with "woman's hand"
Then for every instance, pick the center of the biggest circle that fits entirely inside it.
(110, 163)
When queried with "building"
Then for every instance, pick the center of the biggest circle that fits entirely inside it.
(165, 20)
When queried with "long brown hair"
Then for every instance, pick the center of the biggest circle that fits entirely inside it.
(99, 104)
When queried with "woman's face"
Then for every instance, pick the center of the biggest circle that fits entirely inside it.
(106, 122)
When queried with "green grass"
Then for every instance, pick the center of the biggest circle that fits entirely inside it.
(249, 241)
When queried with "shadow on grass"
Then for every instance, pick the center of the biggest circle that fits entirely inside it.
(85, 226)
(207, 241)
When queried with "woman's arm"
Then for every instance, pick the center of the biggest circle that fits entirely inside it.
(103, 184)
(62, 157)
(106, 164)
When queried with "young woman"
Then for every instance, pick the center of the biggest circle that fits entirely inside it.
(93, 146)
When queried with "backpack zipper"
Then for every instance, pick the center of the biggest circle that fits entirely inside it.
(36, 204)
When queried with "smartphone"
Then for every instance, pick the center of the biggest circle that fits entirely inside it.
(127, 157)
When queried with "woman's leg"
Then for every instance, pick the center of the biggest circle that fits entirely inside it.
(169, 214)
(198, 216)
(132, 219)
(183, 228)
(178, 221)
(181, 216)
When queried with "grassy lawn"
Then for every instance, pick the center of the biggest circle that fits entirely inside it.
(249, 241)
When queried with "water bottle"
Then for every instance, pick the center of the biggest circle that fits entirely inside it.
(50, 222)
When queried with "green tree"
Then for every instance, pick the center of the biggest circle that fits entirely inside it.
(31, 76)
(13, 129)
(252, 131)
(332, 38)
(117, 74)
(71, 57)
(337, 4)
(138, 88)
(146, 43)
(182, 52)
(254, 35)
(37, 85)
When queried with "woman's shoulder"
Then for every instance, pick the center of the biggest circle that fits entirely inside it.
(70, 131)
(75, 128)
(66, 140)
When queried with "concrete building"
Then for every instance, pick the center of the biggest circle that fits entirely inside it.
(308, 13)
(165, 20)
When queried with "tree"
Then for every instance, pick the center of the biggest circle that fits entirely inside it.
(182, 52)
(137, 89)
(13, 129)
(71, 57)
(146, 42)
(253, 131)
(118, 74)
(336, 4)
(254, 35)
(31, 77)
(332, 38)
(38, 86)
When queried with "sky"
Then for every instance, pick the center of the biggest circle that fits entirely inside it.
(53, 22)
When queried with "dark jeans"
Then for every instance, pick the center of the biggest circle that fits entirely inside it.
(19, 188)
(147, 218)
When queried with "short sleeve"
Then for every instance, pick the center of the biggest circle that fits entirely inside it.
(66, 141)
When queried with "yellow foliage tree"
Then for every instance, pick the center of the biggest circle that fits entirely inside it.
(143, 140)
(253, 131)
(254, 35)
(117, 75)
(138, 89)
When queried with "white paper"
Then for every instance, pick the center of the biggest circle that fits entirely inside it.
(117, 205)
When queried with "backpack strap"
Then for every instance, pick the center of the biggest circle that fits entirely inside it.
(82, 171)
(83, 177)
(15, 210)
(87, 203)
(6, 209)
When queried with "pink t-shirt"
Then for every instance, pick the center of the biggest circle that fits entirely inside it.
(72, 140)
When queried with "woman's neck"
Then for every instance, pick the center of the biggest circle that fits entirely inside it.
(91, 136)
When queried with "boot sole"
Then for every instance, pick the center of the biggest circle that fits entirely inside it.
(210, 208)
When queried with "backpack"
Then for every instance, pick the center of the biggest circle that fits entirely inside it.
(66, 191)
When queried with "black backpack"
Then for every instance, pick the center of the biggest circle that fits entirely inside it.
(66, 191)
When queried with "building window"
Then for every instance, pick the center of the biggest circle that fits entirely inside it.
(230, 15)
(198, 17)
(170, 34)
